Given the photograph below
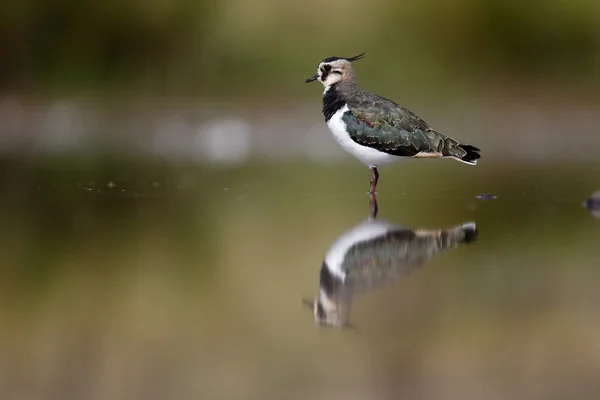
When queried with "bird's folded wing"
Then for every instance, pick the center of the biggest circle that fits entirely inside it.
(391, 129)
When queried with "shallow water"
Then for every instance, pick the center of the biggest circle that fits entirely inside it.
(129, 280)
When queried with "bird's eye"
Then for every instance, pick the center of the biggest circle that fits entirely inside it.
(326, 68)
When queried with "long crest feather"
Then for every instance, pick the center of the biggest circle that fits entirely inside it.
(335, 58)
(358, 57)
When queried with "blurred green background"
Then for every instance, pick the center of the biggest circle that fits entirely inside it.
(240, 48)
(168, 191)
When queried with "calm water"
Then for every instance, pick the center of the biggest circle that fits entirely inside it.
(141, 280)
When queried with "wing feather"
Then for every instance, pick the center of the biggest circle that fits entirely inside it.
(380, 123)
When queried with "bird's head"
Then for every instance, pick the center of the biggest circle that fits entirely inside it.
(327, 313)
(335, 69)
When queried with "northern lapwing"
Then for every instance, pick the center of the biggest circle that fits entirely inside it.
(376, 130)
(372, 254)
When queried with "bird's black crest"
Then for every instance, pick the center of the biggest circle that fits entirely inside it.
(358, 57)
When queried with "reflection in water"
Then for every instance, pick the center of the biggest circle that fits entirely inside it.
(372, 254)
(593, 204)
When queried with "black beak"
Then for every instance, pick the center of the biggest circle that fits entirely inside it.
(312, 78)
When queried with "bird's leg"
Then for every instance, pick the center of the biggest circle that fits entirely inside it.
(374, 177)
(373, 208)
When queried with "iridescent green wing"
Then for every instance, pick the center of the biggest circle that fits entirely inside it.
(383, 125)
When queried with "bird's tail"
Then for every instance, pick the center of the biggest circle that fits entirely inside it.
(462, 152)
(472, 154)
(467, 232)
(460, 234)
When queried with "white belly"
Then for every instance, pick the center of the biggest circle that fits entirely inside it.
(365, 154)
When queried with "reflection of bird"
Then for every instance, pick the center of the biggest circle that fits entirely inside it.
(376, 130)
(372, 254)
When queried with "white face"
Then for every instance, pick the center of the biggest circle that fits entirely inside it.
(323, 317)
(332, 72)
(328, 312)
(328, 75)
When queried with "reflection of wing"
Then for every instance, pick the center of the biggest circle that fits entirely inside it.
(362, 232)
(382, 259)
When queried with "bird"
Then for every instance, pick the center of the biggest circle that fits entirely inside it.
(377, 130)
(372, 254)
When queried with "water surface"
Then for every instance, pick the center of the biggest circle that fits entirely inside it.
(142, 279)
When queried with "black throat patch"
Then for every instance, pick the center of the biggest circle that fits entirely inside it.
(332, 101)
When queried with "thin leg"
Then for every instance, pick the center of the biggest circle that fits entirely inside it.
(373, 208)
(374, 177)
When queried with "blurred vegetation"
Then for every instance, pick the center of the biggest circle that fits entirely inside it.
(211, 47)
